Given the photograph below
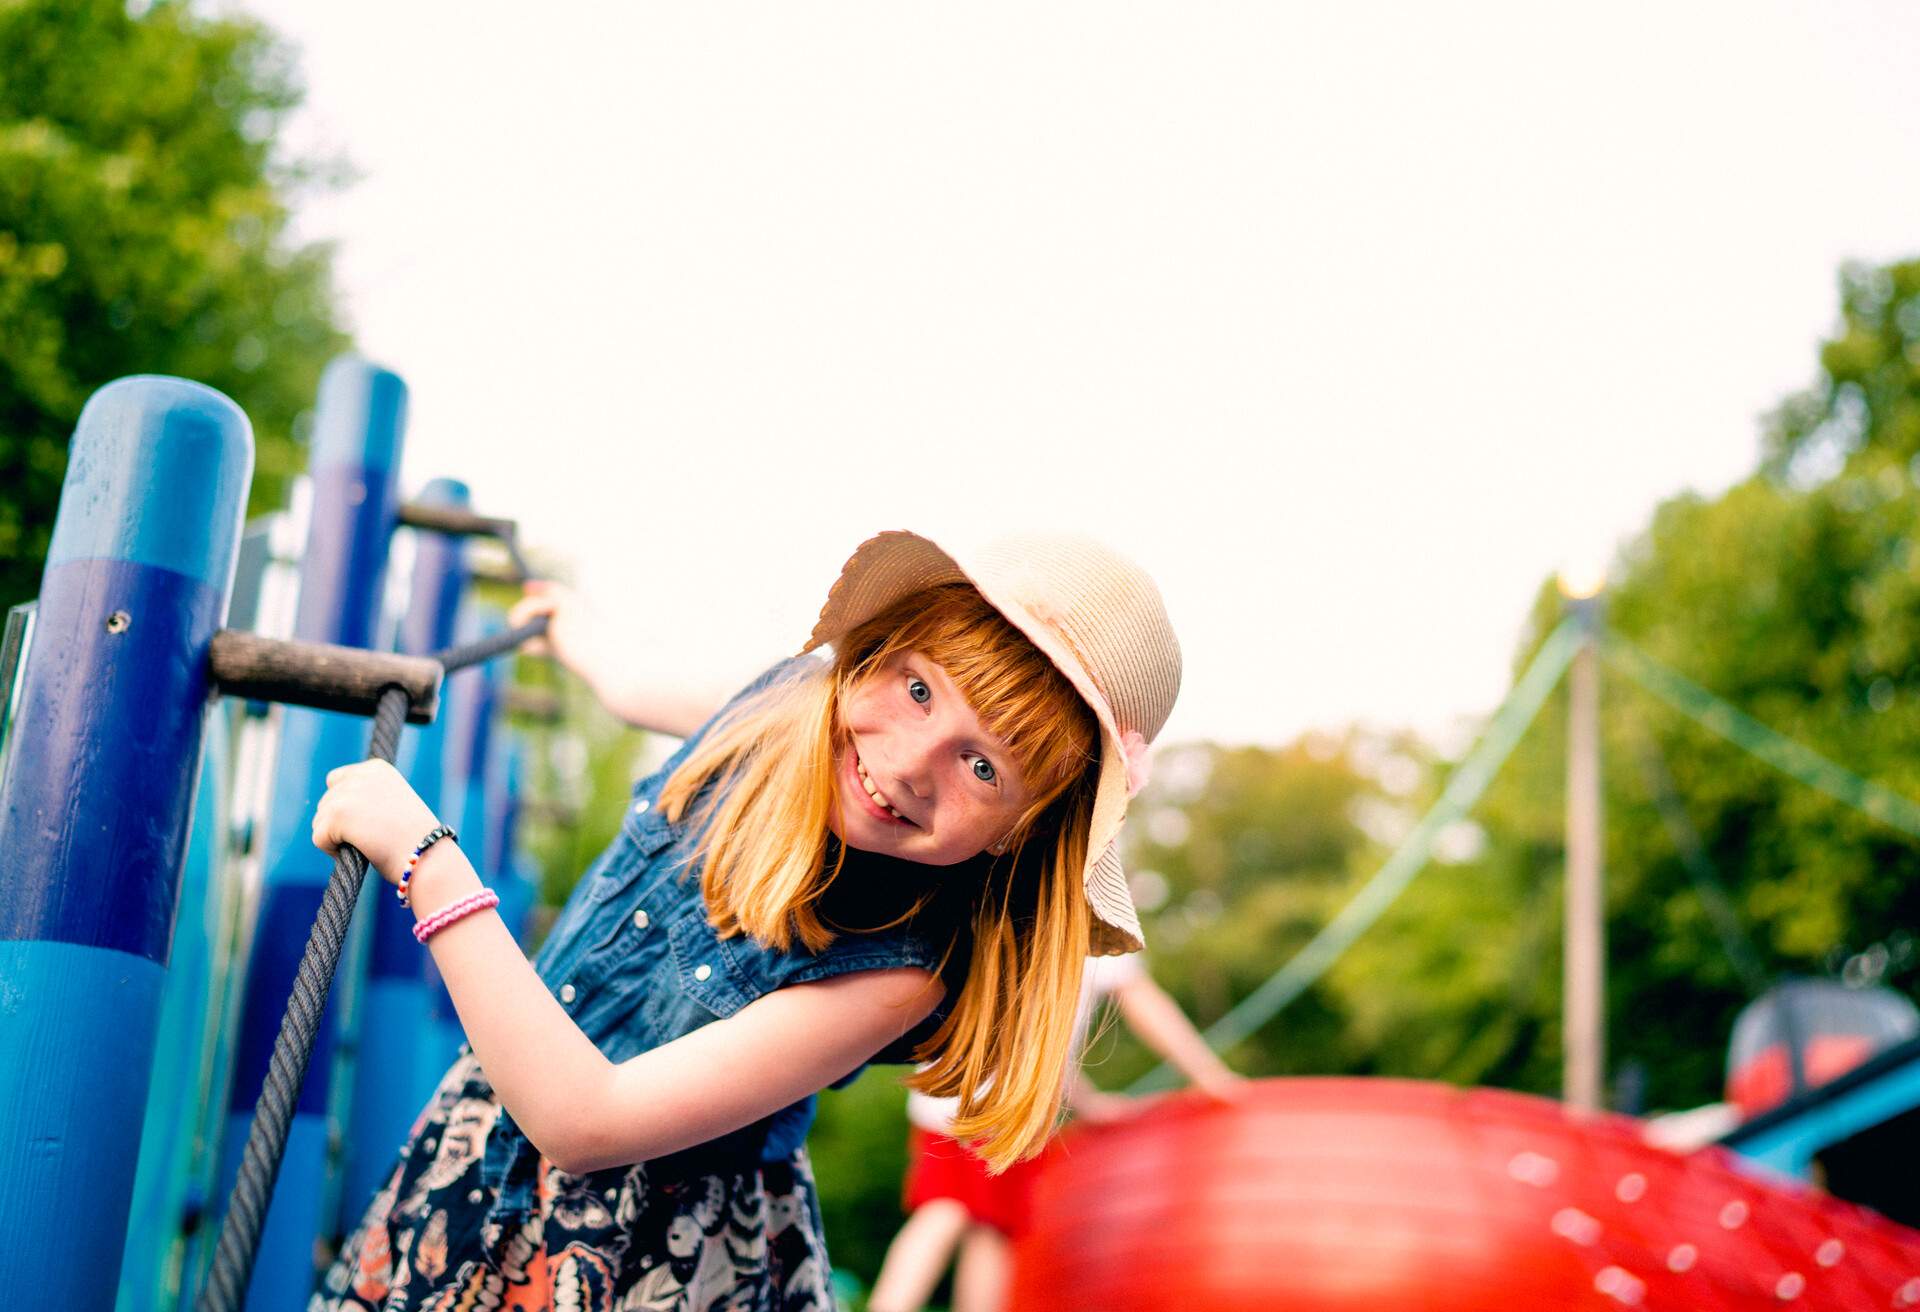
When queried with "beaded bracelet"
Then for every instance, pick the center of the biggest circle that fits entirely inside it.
(466, 906)
(434, 835)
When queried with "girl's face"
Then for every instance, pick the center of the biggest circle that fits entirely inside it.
(921, 778)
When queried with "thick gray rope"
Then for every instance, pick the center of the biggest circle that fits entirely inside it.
(233, 1259)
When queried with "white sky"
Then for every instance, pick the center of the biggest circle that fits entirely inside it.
(1351, 322)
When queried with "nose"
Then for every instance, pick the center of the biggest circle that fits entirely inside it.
(910, 766)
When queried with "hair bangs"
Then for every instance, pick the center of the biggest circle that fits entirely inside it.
(1021, 697)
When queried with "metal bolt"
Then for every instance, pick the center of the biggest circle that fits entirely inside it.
(119, 622)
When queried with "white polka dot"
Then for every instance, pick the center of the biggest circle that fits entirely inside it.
(1830, 1252)
(1733, 1215)
(1572, 1223)
(1533, 1169)
(1632, 1187)
(1682, 1258)
(1790, 1286)
(1620, 1285)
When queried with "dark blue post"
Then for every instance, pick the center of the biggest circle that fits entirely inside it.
(94, 814)
(392, 1014)
(354, 470)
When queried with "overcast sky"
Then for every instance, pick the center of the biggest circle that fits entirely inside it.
(1350, 322)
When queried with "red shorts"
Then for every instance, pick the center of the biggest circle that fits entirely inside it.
(941, 1167)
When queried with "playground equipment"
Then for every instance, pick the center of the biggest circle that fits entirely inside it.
(1337, 1195)
(1309, 1193)
(1806, 1033)
(111, 720)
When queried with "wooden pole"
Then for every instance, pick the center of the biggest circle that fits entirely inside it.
(1585, 984)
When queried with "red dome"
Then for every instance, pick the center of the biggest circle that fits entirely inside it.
(1317, 1195)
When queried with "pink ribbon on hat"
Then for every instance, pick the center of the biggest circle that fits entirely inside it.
(1134, 747)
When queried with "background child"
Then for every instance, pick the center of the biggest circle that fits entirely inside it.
(954, 1202)
(903, 852)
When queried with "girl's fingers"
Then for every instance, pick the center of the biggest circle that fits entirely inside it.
(528, 608)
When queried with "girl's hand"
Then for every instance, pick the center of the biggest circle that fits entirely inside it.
(1225, 1087)
(371, 806)
(1097, 1107)
(574, 632)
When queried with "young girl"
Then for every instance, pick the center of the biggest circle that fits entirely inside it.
(900, 853)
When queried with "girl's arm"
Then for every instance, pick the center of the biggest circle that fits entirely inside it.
(626, 679)
(1153, 1015)
(579, 1109)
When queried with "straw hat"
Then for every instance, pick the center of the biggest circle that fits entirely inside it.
(1095, 615)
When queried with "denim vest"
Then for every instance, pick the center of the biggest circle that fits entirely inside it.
(635, 963)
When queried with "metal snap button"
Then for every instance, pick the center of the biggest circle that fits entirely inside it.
(566, 993)
(640, 920)
(640, 807)
(702, 970)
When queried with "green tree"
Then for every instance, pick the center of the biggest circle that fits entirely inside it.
(144, 229)
(1794, 595)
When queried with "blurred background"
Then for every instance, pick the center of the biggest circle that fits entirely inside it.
(1355, 325)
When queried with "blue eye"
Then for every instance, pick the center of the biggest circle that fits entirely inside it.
(983, 769)
(919, 691)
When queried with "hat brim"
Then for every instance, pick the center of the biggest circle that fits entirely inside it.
(892, 565)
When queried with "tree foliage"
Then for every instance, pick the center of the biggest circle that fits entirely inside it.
(1794, 595)
(144, 229)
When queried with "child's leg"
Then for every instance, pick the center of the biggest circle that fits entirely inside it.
(917, 1256)
(985, 1270)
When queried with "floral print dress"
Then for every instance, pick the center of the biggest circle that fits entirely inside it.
(626, 1239)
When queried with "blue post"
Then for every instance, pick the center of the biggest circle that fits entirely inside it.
(472, 700)
(505, 781)
(167, 1187)
(94, 814)
(354, 470)
(393, 1015)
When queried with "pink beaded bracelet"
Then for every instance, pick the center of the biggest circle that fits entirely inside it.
(466, 906)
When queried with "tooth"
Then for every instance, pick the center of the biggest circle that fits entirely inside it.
(896, 814)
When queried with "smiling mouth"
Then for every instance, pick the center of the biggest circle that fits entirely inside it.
(878, 798)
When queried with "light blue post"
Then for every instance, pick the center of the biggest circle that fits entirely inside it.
(511, 876)
(167, 1188)
(355, 462)
(393, 1014)
(94, 815)
(472, 699)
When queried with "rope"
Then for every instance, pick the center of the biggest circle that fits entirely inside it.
(1776, 749)
(1462, 792)
(226, 1286)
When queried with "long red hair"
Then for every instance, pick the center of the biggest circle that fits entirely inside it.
(762, 787)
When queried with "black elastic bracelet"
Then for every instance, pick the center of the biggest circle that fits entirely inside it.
(434, 835)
